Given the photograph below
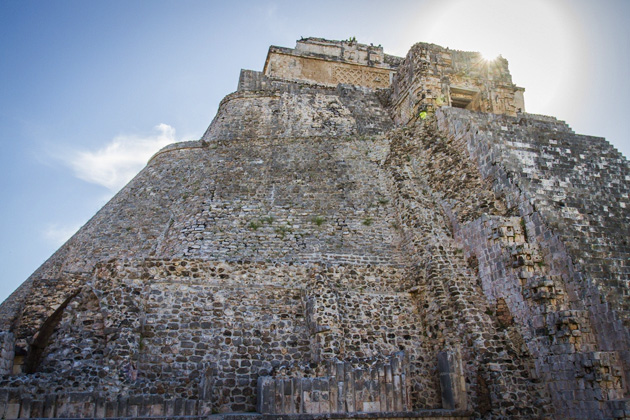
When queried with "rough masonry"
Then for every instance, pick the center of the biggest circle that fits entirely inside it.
(356, 235)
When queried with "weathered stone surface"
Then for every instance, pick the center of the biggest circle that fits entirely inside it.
(431, 77)
(327, 394)
(330, 250)
(452, 380)
(7, 352)
(329, 63)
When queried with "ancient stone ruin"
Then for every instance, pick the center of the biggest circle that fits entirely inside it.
(356, 235)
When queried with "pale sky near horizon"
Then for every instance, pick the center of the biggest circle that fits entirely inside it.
(89, 90)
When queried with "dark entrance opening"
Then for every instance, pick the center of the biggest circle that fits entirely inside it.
(465, 98)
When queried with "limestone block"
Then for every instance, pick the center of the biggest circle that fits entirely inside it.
(50, 406)
(452, 381)
(266, 395)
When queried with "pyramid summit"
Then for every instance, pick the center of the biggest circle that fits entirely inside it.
(356, 235)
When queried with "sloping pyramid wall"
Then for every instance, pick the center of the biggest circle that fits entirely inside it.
(305, 229)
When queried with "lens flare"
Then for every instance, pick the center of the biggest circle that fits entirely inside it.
(489, 55)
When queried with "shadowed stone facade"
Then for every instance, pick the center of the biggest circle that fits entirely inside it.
(356, 235)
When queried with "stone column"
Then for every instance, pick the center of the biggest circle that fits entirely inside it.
(7, 352)
(452, 380)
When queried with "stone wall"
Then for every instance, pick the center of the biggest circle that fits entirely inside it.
(124, 228)
(286, 66)
(349, 50)
(91, 405)
(329, 63)
(452, 304)
(284, 110)
(556, 170)
(312, 240)
(380, 387)
(431, 77)
(321, 249)
(14, 405)
(185, 329)
(537, 268)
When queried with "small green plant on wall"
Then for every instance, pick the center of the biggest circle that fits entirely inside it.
(267, 219)
(282, 231)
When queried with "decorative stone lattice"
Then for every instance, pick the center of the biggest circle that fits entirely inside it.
(360, 76)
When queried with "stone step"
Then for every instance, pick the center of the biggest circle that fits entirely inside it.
(620, 409)
(429, 414)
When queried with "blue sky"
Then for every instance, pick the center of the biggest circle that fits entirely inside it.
(90, 89)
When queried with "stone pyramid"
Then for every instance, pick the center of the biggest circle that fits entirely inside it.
(356, 235)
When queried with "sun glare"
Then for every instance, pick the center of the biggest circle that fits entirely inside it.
(519, 31)
(489, 55)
